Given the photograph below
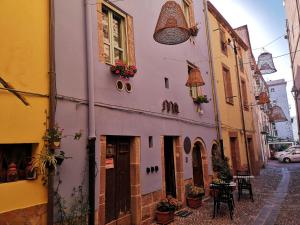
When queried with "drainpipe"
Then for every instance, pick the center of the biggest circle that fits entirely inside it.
(241, 106)
(91, 109)
(213, 82)
(52, 105)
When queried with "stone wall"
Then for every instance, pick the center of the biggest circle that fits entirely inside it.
(35, 215)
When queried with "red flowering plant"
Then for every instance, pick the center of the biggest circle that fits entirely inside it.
(122, 70)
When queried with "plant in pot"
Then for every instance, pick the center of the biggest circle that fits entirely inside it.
(53, 136)
(194, 30)
(165, 212)
(194, 196)
(201, 99)
(122, 70)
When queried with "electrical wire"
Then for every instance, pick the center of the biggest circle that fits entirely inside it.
(276, 39)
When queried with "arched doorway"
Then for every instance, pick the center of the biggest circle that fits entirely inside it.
(197, 165)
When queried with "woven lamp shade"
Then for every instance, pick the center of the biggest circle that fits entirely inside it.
(277, 115)
(195, 79)
(263, 98)
(265, 63)
(171, 27)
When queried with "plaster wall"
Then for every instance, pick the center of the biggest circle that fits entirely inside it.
(138, 113)
(23, 64)
(278, 96)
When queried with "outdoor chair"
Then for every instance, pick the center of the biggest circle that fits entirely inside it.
(244, 183)
(222, 193)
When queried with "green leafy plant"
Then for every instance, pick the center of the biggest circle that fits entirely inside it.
(165, 206)
(201, 99)
(194, 191)
(74, 212)
(53, 134)
(194, 30)
(221, 167)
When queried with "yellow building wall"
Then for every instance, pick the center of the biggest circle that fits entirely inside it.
(24, 64)
(230, 115)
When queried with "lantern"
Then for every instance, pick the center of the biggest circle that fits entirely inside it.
(171, 27)
(195, 79)
(265, 63)
(263, 98)
(277, 115)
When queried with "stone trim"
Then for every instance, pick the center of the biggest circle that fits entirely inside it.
(149, 202)
(178, 163)
(135, 185)
(32, 215)
(204, 158)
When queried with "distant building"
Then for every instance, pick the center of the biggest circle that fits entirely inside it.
(278, 96)
(293, 34)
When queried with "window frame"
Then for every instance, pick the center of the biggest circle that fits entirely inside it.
(229, 99)
(222, 34)
(112, 11)
(187, 12)
(244, 95)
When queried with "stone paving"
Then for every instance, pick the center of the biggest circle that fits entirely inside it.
(276, 201)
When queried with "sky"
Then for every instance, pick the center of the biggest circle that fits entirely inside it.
(266, 22)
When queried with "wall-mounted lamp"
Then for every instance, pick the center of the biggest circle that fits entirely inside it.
(295, 92)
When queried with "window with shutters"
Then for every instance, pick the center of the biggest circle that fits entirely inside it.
(188, 11)
(194, 91)
(240, 59)
(115, 35)
(227, 85)
(244, 95)
(223, 41)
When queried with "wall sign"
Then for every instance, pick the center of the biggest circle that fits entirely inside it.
(187, 145)
(170, 106)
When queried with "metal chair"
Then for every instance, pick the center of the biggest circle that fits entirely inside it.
(244, 183)
(222, 193)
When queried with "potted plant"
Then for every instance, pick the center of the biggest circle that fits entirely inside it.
(53, 136)
(194, 196)
(194, 30)
(164, 212)
(122, 70)
(201, 99)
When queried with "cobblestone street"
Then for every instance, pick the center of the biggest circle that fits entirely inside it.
(276, 201)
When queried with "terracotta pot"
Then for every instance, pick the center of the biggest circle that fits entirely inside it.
(194, 203)
(164, 217)
(54, 144)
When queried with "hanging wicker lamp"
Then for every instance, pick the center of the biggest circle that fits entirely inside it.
(263, 98)
(277, 115)
(265, 63)
(171, 27)
(195, 79)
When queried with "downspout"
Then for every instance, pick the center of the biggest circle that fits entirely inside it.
(91, 110)
(213, 82)
(52, 105)
(241, 106)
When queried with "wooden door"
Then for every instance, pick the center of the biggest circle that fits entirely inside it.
(117, 192)
(169, 166)
(234, 154)
(197, 166)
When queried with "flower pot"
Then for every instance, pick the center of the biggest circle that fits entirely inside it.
(59, 160)
(194, 203)
(164, 217)
(55, 144)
